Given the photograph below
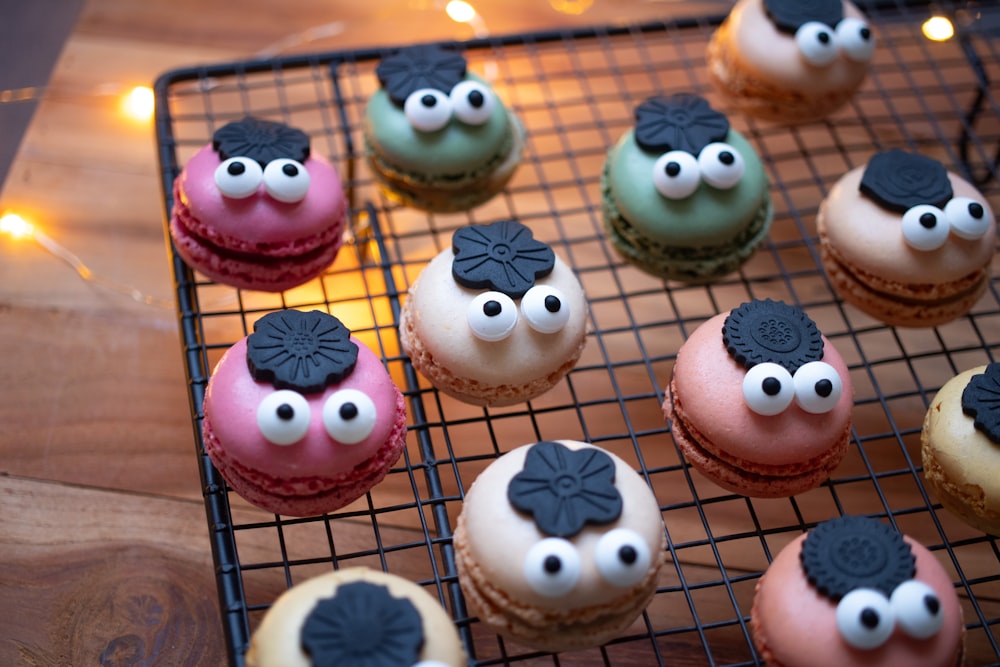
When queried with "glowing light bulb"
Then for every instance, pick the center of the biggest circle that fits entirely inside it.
(15, 226)
(139, 103)
(938, 29)
(460, 11)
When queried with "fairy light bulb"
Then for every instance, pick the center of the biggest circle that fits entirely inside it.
(938, 29)
(460, 11)
(138, 103)
(15, 226)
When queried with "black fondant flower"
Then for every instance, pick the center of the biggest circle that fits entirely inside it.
(417, 67)
(306, 352)
(789, 15)
(565, 489)
(364, 626)
(852, 552)
(898, 181)
(261, 141)
(771, 331)
(682, 122)
(502, 256)
(981, 401)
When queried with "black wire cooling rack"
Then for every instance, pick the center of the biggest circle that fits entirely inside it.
(575, 92)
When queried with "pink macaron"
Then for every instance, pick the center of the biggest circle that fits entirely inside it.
(300, 417)
(255, 209)
(760, 401)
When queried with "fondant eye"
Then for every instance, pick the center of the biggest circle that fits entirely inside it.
(349, 416)
(855, 39)
(721, 165)
(286, 180)
(545, 308)
(925, 227)
(817, 387)
(967, 218)
(817, 43)
(622, 557)
(768, 389)
(676, 175)
(283, 417)
(492, 316)
(864, 618)
(238, 177)
(917, 608)
(552, 567)
(427, 109)
(472, 102)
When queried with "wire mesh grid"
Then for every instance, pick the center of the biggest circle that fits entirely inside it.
(575, 91)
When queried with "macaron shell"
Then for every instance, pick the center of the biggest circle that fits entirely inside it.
(794, 626)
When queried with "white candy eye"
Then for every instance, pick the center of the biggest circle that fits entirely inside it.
(622, 557)
(721, 165)
(768, 389)
(545, 308)
(855, 39)
(286, 180)
(552, 567)
(427, 109)
(676, 175)
(472, 102)
(817, 387)
(967, 218)
(492, 316)
(817, 43)
(917, 608)
(865, 619)
(238, 177)
(283, 417)
(925, 227)
(349, 416)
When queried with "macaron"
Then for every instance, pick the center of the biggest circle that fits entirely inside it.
(790, 61)
(496, 319)
(300, 417)
(684, 196)
(760, 401)
(854, 591)
(256, 209)
(905, 241)
(960, 447)
(438, 137)
(559, 545)
(356, 616)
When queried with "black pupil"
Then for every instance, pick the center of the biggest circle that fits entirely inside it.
(928, 220)
(628, 555)
(726, 158)
(932, 604)
(290, 170)
(869, 618)
(976, 210)
(285, 412)
(492, 308)
(236, 168)
(824, 388)
(552, 564)
(348, 411)
(552, 304)
(866, 34)
(672, 169)
(476, 98)
(428, 100)
(823, 37)
(771, 386)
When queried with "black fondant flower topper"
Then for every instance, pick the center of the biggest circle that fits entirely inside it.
(771, 331)
(981, 401)
(789, 15)
(416, 67)
(565, 489)
(682, 122)
(502, 256)
(897, 181)
(363, 624)
(306, 352)
(260, 140)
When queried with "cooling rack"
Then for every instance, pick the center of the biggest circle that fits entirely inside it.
(575, 91)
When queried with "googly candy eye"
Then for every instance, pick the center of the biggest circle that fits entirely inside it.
(817, 387)
(552, 567)
(768, 389)
(286, 180)
(283, 417)
(721, 165)
(676, 174)
(492, 316)
(622, 557)
(472, 102)
(855, 39)
(865, 619)
(967, 218)
(817, 43)
(427, 109)
(545, 309)
(349, 416)
(925, 227)
(917, 608)
(238, 177)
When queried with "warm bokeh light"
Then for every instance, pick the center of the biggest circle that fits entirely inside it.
(460, 11)
(15, 226)
(571, 7)
(138, 103)
(938, 29)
